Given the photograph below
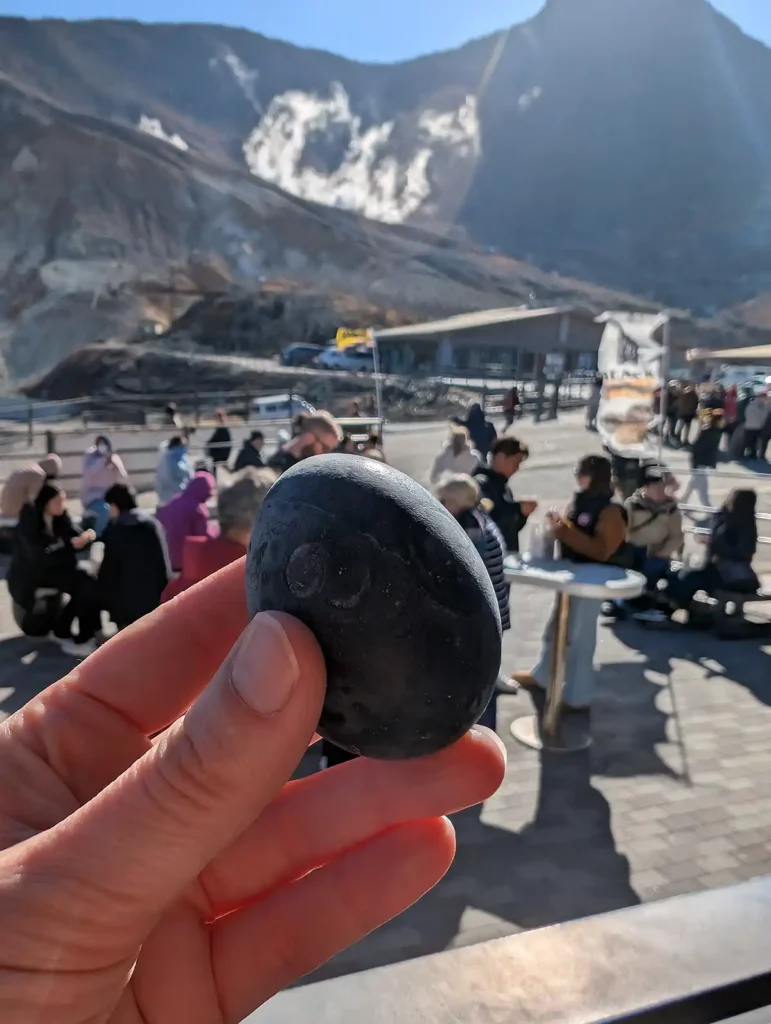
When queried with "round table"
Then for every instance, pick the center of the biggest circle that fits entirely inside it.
(567, 579)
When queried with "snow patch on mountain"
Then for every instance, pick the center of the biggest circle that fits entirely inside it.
(317, 148)
(152, 126)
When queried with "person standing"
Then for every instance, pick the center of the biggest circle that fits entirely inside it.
(509, 515)
(687, 405)
(592, 530)
(135, 567)
(754, 424)
(45, 557)
(220, 444)
(512, 407)
(593, 405)
(251, 452)
(704, 454)
(101, 469)
(174, 471)
(457, 455)
(481, 431)
(187, 515)
(23, 484)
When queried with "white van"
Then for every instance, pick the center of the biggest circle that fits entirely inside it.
(279, 407)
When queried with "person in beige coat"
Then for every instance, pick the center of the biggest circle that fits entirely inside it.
(654, 522)
(25, 483)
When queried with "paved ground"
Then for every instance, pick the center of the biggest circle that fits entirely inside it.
(674, 796)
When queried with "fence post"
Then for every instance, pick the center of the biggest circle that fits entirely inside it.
(50, 442)
(30, 423)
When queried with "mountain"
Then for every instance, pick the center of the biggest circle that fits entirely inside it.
(105, 226)
(626, 142)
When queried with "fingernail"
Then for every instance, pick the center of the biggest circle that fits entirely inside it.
(265, 668)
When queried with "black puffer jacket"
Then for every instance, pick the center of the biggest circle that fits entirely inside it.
(506, 513)
(135, 568)
(41, 557)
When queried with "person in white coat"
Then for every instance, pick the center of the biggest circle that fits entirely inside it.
(457, 456)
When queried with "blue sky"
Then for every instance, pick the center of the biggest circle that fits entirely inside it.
(355, 28)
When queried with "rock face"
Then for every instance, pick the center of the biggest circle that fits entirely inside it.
(623, 141)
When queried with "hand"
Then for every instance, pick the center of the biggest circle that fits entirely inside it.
(183, 878)
(84, 539)
(528, 507)
(553, 518)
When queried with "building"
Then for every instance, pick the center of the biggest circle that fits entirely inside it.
(520, 343)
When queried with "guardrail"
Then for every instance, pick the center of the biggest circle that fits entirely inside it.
(693, 959)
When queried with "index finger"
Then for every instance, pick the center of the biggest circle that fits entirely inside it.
(152, 672)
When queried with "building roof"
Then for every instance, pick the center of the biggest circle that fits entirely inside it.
(752, 353)
(483, 318)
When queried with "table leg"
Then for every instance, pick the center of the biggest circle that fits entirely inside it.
(544, 732)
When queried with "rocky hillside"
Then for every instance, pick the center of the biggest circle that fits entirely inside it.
(105, 226)
(621, 141)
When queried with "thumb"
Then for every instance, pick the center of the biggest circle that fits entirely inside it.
(151, 832)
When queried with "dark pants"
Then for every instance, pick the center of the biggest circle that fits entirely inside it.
(83, 605)
(684, 428)
(335, 755)
(683, 588)
(752, 444)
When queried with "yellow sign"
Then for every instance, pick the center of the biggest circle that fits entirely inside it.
(347, 336)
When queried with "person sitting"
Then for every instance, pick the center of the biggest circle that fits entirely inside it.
(592, 530)
(509, 516)
(186, 515)
(220, 444)
(457, 455)
(101, 469)
(251, 452)
(462, 497)
(238, 506)
(135, 566)
(45, 557)
(23, 484)
(481, 431)
(319, 434)
(174, 471)
(655, 531)
(732, 543)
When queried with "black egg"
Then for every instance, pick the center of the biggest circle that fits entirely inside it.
(396, 594)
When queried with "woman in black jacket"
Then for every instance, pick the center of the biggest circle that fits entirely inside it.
(732, 543)
(704, 454)
(135, 568)
(220, 444)
(44, 557)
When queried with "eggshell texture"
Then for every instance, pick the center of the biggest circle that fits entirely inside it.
(396, 594)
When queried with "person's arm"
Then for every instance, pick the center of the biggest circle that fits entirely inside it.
(608, 538)
(121, 476)
(240, 461)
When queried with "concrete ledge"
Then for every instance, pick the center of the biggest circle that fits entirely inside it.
(649, 962)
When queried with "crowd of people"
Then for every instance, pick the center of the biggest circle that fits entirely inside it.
(147, 557)
(733, 412)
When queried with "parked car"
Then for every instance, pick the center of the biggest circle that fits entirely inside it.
(301, 354)
(353, 358)
(279, 407)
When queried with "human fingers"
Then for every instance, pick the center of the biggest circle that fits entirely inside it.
(152, 672)
(148, 835)
(265, 947)
(313, 820)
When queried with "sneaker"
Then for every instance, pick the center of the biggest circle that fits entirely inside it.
(73, 650)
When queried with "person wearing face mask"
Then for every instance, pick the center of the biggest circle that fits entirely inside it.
(102, 468)
(457, 456)
(318, 434)
(593, 529)
(44, 559)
